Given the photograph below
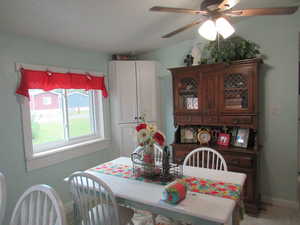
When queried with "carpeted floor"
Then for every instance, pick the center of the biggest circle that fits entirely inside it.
(271, 215)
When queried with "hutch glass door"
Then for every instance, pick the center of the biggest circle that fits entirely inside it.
(188, 99)
(236, 92)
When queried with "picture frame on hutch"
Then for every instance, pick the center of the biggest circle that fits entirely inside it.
(223, 139)
(242, 138)
(188, 135)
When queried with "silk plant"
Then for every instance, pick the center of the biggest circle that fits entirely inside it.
(227, 50)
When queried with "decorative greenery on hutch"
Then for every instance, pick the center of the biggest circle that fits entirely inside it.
(231, 49)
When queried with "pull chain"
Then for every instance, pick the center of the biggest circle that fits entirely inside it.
(218, 41)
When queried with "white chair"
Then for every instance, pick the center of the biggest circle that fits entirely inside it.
(39, 205)
(205, 158)
(95, 203)
(2, 197)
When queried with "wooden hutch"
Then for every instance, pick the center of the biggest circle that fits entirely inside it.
(221, 97)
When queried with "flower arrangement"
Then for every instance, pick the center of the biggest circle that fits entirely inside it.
(147, 134)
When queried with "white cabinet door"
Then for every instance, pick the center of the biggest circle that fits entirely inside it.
(128, 139)
(126, 91)
(146, 89)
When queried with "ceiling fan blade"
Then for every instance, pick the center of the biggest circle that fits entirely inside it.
(182, 29)
(177, 10)
(263, 11)
(228, 4)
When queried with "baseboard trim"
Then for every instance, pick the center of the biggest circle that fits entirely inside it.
(280, 202)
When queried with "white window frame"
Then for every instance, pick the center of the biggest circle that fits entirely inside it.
(75, 147)
(97, 132)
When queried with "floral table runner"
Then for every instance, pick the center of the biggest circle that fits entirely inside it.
(211, 187)
(123, 171)
(194, 184)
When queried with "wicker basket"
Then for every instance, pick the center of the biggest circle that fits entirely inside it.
(159, 170)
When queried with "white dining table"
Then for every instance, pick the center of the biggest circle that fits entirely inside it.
(196, 208)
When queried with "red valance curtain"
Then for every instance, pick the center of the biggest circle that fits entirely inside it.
(46, 80)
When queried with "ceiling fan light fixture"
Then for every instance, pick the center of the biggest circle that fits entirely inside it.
(224, 28)
(230, 3)
(208, 30)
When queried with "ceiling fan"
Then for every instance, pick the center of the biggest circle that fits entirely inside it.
(216, 16)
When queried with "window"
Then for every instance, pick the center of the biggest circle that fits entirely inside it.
(62, 123)
(73, 117)
(69, 119)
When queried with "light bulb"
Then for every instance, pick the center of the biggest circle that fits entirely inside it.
(208, 30)
(224, 27)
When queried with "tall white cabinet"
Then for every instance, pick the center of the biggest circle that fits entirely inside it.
(134, 92)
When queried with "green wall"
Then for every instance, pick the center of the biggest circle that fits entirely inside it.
(12, 163)
(278, 38)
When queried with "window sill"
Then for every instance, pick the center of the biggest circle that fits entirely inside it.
(58, 155)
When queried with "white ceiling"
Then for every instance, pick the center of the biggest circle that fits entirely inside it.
(112, 26)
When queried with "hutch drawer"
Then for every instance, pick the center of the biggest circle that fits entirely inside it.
(196, 119)
(188, 119)
(210, 119)
(236, 120)
(183, 119)
(239, 161)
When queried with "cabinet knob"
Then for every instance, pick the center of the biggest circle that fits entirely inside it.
(236, 121)
(235, 161)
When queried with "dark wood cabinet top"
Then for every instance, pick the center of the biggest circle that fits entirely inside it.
(215, 66)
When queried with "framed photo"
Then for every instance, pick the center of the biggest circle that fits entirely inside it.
(223, 139)
(242, 138)
(233, 135)
(188, 135)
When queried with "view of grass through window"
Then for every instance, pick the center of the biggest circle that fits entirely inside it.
(48, 115)
(79, 113)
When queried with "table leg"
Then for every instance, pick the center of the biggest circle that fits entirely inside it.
(230, 222)
(154, 218)
(236, 215)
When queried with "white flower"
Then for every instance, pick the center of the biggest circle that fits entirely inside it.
(143, 136)
(152, 128)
